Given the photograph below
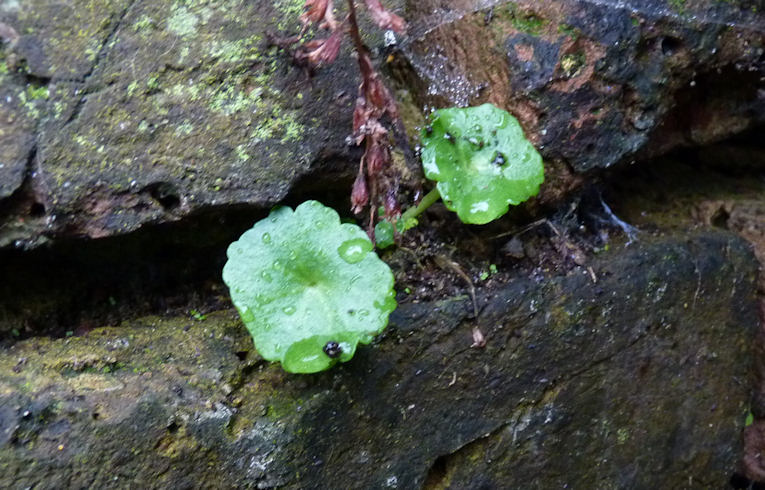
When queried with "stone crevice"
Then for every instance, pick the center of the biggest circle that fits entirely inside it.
(103, 50)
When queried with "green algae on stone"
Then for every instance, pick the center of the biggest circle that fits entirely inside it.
(182, 22)
(200, 94)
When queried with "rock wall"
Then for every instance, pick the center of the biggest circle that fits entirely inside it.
(630, 376)
(138, 139)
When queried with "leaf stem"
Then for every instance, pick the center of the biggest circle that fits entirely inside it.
(427, 201)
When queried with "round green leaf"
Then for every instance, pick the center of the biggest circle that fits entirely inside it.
(301, 279)
(384, 234)
(481, 161)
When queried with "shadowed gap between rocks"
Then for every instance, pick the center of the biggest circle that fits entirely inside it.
(72, 285)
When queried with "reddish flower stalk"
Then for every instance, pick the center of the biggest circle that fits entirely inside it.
(373, 103)
(376, 183)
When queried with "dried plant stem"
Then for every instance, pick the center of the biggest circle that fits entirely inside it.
(358, 44)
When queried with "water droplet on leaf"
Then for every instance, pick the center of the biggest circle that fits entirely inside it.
(354, 250)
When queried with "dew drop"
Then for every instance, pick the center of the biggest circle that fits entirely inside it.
(354, 250)
(277, 264)
(289, 310)
(266, 238)
(247, 315)
(266, 276)
(363, 313)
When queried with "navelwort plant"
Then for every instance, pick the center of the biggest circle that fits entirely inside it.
(481, 162)
(310, 288)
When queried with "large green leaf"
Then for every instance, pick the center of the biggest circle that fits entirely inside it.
(302, 281)
(481, 161)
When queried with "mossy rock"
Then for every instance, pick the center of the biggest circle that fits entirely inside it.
(157, 110)
(576, 379)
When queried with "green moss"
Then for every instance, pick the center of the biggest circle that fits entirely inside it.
(37, 93)
(144, 24)
(152, 83)
(572, 64)
(569, 31)
(58, 109)
(185, 92)
(227, 51)
(229, 100)
(241, 153)
(182, 22)
(132, 88)
(622, 435)
(185, 128)
(525, 22)
(290, 10)
(224, 88)
(677, 5)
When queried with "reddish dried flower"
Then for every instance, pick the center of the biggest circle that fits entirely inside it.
(360, 117)
(392, 208)
(374, 90)
(374, 100)
(324, 50)
(383, 17)
(319, 12)
(377, 156)
(377, 93)
(360, 194)
(314, 11)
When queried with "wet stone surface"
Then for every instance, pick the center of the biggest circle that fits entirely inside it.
(138, 139)
(123, 113)
(595, 83)
(577, 378)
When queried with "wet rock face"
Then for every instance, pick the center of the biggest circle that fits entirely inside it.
(114, 114)
(119, 113)
(596, 83)
(632, 375)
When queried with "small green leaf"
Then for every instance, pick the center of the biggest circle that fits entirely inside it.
(481, 161)
(384, 234)
(302, 281)
(407, 224)
(749, 419)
